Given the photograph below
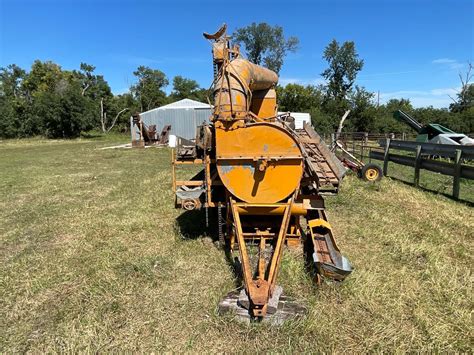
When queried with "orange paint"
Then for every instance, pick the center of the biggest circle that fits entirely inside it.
(241, 151)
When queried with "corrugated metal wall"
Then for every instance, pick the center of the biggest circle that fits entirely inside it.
(183, 121)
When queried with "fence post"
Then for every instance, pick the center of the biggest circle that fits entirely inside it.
(457, 174)
(385, 156)
(417, 165)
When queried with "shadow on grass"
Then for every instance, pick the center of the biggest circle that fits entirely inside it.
(192, 225)
(432, 191)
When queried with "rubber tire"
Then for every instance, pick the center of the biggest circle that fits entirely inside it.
(368, 167)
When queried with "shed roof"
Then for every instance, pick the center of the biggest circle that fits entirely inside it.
(184, 103)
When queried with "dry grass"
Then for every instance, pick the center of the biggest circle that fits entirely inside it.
(93, 259)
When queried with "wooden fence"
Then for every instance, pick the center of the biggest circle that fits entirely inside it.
(424, 159)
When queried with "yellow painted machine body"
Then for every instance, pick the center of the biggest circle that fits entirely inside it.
(258, 163)
(257, 159)
(235, 87)
(265, 176)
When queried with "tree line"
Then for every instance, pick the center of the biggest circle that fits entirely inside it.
(56, 103)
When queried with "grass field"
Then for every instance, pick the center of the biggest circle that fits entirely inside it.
(95, 258)
(430, 181)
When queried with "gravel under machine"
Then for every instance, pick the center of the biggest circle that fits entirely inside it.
(265, 179)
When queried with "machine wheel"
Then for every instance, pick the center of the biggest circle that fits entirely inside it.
(371, 172)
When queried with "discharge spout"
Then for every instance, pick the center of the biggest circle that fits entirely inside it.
(234, 86)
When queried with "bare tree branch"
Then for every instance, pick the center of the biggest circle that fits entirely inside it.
(116, 117)
(102, 115)
(341, 124)
(465, 84)
(84, 89)
(452, 98)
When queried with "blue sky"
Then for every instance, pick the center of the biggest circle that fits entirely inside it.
(411, 48)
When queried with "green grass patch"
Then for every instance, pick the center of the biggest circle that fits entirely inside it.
(429, 181)
(94, 257)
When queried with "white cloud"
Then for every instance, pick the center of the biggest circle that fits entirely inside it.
(448, 62)
(286, 81)
(437, 98)
(319, 81)
(444, 61)
(445, 91)
(301, 81)
(368, 77)
(436, 102)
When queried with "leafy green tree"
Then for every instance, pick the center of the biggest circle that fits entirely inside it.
(148, 91)
(62, 114)
(321, 120)
(10, 81)
(466, 120)
(465, 97)
(462, 121)
(386, 123)
(334, 110)
(86, 77)
(298, 98)
(53, 102)
(103, 103)
(344, 65)
(56, 103)
(43, 77)
(363, 111)
(426, 115)
(8, 118)
(202, 95)
(11, 100)
(265, 44)
(184, 88)
(122, 107)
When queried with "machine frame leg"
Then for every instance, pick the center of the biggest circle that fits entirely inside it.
(260, 290)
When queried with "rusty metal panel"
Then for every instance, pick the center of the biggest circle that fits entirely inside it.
(252, 162)
(329, 157)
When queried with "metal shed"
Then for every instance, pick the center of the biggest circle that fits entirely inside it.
(183, 116)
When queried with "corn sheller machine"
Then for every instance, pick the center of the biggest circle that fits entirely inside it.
(265, 180)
